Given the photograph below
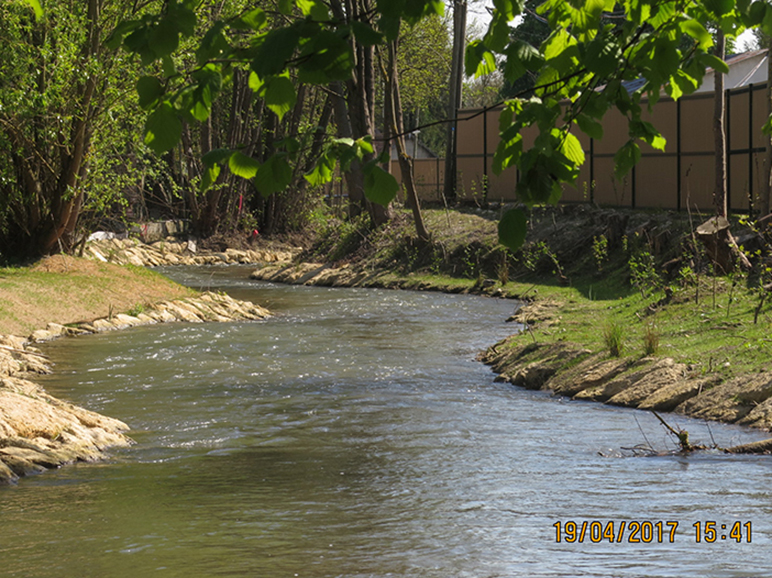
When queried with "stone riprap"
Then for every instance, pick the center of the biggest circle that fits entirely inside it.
(649, 383)
(38, 431)
(171, 252)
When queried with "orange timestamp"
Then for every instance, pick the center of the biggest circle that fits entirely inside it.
(648, 532)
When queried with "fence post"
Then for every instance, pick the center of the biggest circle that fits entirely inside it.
(678, 154)
(592, 170)
(750, 149)
(485, 157)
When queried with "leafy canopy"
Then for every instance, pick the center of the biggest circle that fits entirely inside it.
(593, 47)
(307, 46)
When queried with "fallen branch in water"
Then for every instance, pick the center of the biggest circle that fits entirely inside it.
(681, 434)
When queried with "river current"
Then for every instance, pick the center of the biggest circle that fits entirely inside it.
(354, 435)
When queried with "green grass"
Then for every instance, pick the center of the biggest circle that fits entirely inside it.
(709, 333)
(696, 333)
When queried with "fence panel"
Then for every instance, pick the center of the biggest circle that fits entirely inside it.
(684, 175)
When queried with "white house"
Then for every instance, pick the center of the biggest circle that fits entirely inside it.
(744, 69)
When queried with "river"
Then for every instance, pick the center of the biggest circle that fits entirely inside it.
(354, 435)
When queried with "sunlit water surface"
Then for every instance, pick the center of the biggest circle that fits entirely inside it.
(353, 434)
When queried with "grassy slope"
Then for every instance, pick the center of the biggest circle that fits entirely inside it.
(67, 290)
(703, 328)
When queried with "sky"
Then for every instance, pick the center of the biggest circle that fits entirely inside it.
(478, 18)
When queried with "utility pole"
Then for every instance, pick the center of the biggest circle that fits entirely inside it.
(456, 82)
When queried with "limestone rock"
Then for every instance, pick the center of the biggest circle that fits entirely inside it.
(730, 401)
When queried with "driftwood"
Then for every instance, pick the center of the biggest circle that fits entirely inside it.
(759, 447)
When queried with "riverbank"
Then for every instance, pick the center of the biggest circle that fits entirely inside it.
(78, 297)
(620, 308)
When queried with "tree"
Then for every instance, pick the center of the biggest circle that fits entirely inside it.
(456, 85)
(582, 64)
(314, 45)
(396, 126)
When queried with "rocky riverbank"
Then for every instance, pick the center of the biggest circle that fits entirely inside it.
(348, 275)
(648, 383)
(38, 431)
(131, 251)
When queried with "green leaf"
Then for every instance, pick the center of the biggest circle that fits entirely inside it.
(647, 133)
(380, 186)
(285, 7)
(163, 39)
(498, 33)
(325, 58)
(115, 38)
(314, 9)
(273, 176)
(167, 67)
(253, 20)
(213, 44)
(36, 8)
(719, 7)
(603, 55)
(767, 128)
(364, 146)
(255, 83)
(365, 35)
(322, 172)
(149, 89)
(756, 13)
(521, 57)
(243, 166)
(509, 149)
(216, 156)
(714, 62)
(184, 19)
(572, 149)
(163, 129)
(277, 48)
(280, 95)
(390, 26)
(479, 60)
(589, 126)
(209, 177)
(509, 8)
(697, 31)
(626, 158)
(513, 227)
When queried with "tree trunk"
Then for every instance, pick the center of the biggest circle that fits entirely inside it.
(68, 199)
(456, 83)
(719, 134)
(394, 103)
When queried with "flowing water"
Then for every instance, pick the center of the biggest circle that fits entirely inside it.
(354, 435)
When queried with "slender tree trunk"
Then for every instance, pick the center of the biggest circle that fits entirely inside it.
(354, 108)
(394, 103)
(456, 82)
(719, 134)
